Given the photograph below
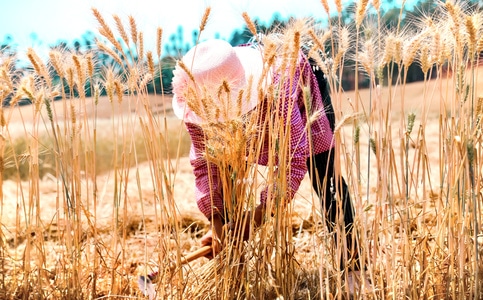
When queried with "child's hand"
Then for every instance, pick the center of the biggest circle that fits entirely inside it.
(215, 237)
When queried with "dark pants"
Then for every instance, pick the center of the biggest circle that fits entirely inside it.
(322, 175)
(321, 170)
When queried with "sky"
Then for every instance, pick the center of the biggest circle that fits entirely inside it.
(43, 23)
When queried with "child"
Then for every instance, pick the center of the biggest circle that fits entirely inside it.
(209, 66)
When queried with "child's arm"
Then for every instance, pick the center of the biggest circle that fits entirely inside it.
(207, 189)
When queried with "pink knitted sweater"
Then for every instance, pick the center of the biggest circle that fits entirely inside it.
(208, 190)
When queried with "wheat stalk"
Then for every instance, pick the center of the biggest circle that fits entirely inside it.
(39, 66)
(325, 4)
(360, 11)
(204, 19)
(251, 26)
(338, 5)
(106, 31)
(410, 49)
(121, 30)
(141, 46)
(149, 57)
(159, 40)
(134, 30)
(109, 51)
(376, 4)
(471, 30)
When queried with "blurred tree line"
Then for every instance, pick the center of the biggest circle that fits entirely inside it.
(176, 46)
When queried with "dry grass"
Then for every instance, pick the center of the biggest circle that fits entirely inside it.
(411, 153)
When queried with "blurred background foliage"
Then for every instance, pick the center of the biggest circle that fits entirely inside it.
(177, 45)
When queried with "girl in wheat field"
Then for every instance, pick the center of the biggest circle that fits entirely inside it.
(215, 83)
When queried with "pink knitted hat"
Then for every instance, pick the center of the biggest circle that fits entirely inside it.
(212, 63)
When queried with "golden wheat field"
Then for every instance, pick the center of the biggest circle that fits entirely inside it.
(138, 246)
(100, 189)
